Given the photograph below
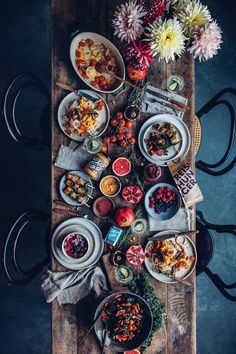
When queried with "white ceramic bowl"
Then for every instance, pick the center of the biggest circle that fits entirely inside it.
(66, 238)
(97, 38)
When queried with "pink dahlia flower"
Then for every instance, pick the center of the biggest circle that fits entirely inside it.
(206, 41)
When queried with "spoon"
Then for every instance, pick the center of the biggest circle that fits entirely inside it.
(103, 69)
(90, 329)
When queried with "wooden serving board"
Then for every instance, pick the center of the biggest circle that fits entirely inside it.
(69, 323)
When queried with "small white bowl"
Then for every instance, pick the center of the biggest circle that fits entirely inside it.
(66, 238)
(119, 188)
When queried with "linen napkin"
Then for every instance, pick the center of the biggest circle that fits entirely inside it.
(182, 221)
(152, 104)
(71, 286)
(71, 157)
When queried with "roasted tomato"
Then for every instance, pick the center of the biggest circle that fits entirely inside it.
(135, 74)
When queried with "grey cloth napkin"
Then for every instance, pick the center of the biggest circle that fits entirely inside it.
(152, 104)
(182, 221)
(72, 157)
(72, 286)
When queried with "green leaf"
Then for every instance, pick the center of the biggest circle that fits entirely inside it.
(142, 286)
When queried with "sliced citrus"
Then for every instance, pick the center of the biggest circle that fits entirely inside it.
(121, 166)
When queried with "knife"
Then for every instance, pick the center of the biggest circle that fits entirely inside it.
(172, 106)
(179, 280)
(177, 103)
(157, 237)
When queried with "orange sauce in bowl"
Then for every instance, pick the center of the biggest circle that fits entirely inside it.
(110, 186)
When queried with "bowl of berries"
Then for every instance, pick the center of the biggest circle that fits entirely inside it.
(162, 201)
(75, 246)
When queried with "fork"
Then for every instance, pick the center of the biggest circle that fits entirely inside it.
(71, 210)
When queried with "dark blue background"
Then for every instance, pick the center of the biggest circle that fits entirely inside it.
(25, 45)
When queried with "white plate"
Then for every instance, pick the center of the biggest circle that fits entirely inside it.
(93, 230)
(191, 250)
(62, 186)
(98, 39)
(67, 230)
(183, 132)
(67, 100)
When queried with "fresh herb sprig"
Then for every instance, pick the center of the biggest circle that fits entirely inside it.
(142, 286)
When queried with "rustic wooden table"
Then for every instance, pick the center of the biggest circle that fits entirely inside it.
(69, 323)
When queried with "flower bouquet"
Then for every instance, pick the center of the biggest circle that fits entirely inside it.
(166, 29)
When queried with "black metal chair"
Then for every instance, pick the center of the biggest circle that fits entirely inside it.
(205, 251)
(215, 169)
(13, 271)
(17, 86)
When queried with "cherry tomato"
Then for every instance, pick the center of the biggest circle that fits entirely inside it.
(94, 84)
(113, 139)
(89, 42)
(127, 135)
(156, 244)
(123, 143)
(103, 87)
(102, 78)
(82, 73)
(128, 124)
(178, 265)
(82, 44)
(114, 122)
(121, 122)
(119, 115)
(132, 140)
(106, 140)
(77, 53)
(101, 104)
(121, 130)
(81, 61)
(93, 62)
(120, 136)
(104, 148)
(160, 152)
(192, 258)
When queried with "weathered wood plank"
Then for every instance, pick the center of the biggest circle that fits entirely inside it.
(64, 324)
(69, 322)
(181, 307)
